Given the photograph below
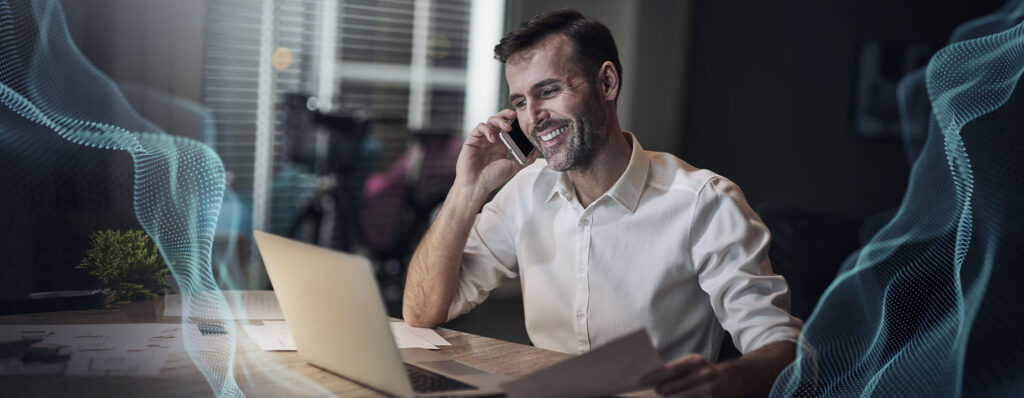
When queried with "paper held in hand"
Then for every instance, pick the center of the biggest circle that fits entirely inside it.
(610, 369)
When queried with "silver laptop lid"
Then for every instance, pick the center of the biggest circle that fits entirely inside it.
(334, 311)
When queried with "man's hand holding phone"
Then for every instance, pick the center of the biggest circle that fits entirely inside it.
(484, 165)
(484, 162)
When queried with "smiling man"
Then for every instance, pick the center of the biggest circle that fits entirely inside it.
(605, 237)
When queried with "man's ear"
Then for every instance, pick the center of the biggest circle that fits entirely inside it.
(608, 81)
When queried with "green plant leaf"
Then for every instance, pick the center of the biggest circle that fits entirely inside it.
(128, 264)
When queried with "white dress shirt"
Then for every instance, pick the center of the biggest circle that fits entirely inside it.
(669, 248)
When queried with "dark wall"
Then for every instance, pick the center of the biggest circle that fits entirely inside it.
(153, 49)
(152, 43)
(772, 89)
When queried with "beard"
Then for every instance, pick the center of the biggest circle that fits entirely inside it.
(586, 137)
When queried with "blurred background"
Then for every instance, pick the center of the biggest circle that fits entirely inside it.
(339, 122)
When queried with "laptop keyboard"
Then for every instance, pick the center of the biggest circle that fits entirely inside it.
(425, 382)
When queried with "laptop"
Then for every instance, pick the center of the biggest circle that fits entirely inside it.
(335, 313)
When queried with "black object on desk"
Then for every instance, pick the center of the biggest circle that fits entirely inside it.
(66, 300)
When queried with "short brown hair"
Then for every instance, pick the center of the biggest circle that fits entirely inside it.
(591, 40)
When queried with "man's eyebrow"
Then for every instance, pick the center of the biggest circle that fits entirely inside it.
(542, 83)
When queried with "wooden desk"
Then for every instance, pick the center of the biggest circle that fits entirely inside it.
(258, 373)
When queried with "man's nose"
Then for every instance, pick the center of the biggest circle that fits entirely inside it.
(535, 115)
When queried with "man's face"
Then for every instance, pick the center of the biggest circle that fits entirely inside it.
(562, 114)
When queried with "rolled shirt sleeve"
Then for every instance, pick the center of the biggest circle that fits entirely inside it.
(729, 249)
(485, 263)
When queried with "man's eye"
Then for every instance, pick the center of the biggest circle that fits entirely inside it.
(518, 104)
(548, 92)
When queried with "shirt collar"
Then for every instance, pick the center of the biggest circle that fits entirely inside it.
(563, 186)
(626, 191)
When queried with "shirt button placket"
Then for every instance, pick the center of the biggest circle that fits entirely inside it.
(582, 285)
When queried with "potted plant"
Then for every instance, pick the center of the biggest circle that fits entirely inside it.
(128, 265)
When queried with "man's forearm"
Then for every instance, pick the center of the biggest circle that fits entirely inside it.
(754, 373)
(434, 270)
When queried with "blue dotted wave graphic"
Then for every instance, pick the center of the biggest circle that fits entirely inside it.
(47, 87)
(929, 307)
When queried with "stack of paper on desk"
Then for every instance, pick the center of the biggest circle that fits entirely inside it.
(275, 336)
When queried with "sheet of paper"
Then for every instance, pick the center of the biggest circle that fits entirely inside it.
(610, 369)
(405, 337)
(428, 335)
(258, 304)
(98, 349)
(244, 304)
(274, 337)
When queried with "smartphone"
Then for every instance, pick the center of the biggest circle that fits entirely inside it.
(517, 143)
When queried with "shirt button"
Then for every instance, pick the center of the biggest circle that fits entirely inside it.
(580, 315)
(585, 222)
(580, 269)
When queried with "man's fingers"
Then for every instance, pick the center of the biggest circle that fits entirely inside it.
(673, 370)
(699, 378)
(501, 123)
(507, 113)
(487, 131)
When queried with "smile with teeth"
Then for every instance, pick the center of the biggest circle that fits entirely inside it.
(553, 134)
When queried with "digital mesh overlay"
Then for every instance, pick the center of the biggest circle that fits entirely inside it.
(47, 90)
(931, 305)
